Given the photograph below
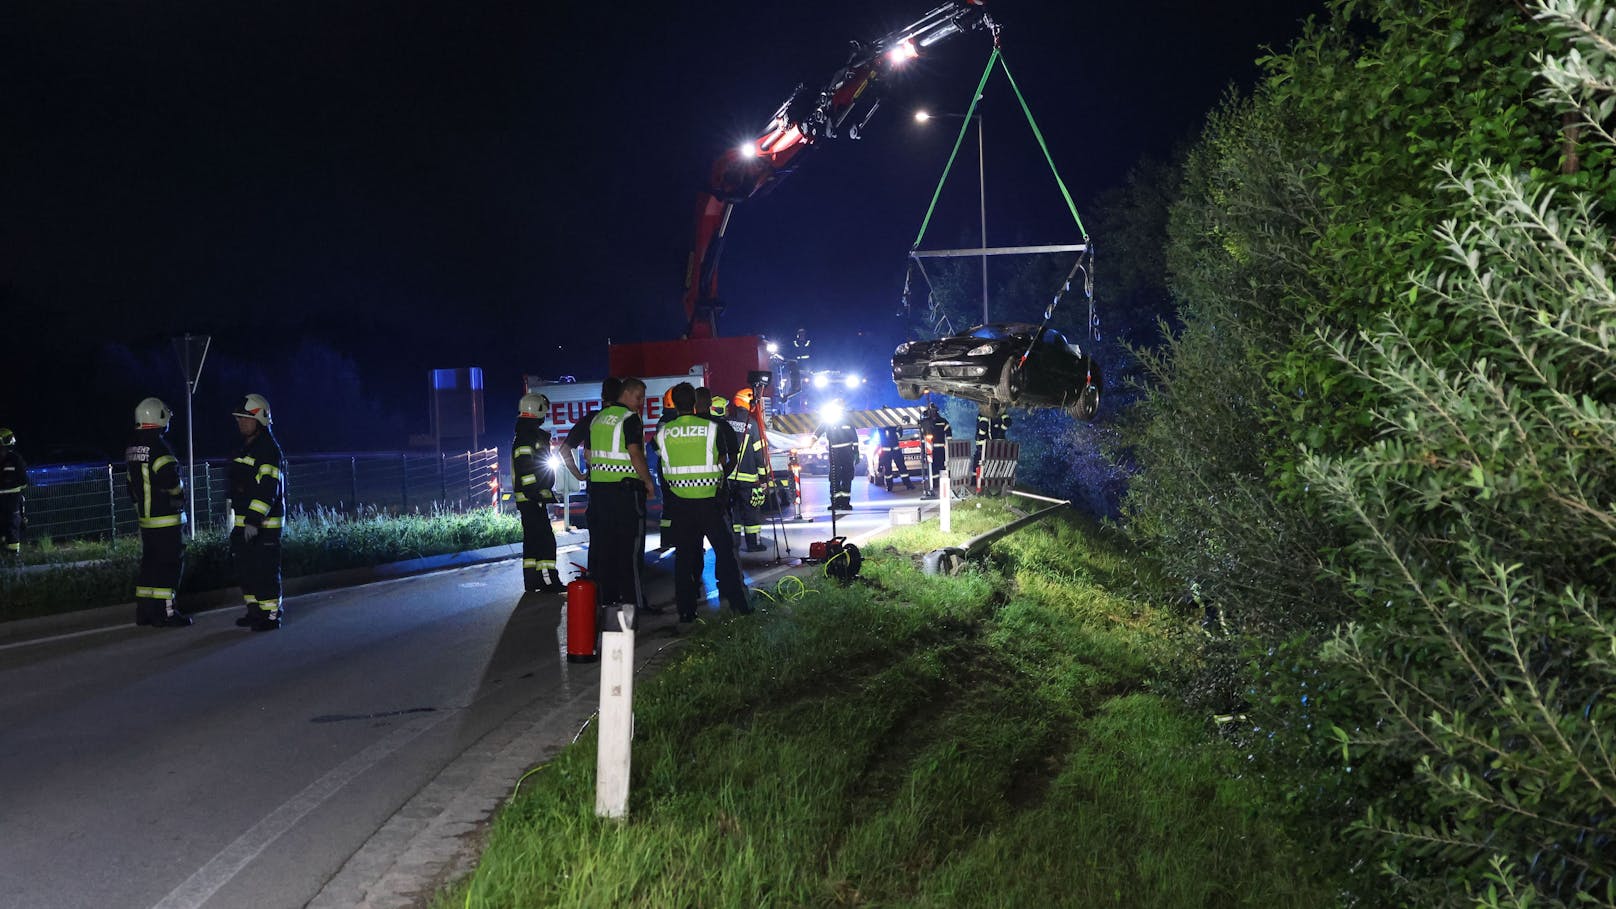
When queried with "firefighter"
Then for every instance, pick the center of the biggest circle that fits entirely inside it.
(842, 439)
(987, 427)
(935, 430)
(619, 484)
(158, 493)
(892, 460)
(534, 480)
(257, 496)
(746, 491)
(13, 480)
(695, 463)
(800, 352)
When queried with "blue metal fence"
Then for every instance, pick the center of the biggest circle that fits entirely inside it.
(69, 501)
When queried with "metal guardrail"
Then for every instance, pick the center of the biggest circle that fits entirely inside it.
(950, 559)
(68, 502)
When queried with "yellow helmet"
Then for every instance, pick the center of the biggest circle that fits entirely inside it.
(720, 404)
(743, 399)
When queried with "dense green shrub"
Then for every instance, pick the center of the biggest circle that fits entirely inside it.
(1485, 519)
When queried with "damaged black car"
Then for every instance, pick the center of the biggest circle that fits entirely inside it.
(1002, 364)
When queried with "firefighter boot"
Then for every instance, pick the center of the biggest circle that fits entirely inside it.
(251, 616)
(172, 618)
(552, 581)
(533, 580)
(753, 544)
(148, 612)
(267, 620)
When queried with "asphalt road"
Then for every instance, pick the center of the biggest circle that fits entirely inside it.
(315, 765)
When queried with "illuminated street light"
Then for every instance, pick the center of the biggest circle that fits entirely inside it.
(922, 116)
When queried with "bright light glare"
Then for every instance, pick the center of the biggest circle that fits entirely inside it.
(903, 53)
(748, 150)
(554, 462)
(773, 347)
(831, 412)
(922, 116)
(821, 381)
(852, 381)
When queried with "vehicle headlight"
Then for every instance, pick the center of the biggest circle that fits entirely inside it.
(903, 348)
(982, 350)
(821, 381)
(852, 381)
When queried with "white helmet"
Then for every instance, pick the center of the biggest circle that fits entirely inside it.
(153, 412)
(255, 408)
(533, 405)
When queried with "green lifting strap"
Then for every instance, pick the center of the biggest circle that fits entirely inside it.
(997, 57)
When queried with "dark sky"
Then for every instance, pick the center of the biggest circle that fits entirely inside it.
(394, 186)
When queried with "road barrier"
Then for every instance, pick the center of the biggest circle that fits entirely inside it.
(93, 501)
(950, 559)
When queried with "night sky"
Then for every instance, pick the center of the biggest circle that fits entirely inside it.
(346, 194)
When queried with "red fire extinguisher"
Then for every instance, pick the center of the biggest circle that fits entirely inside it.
(582, 596)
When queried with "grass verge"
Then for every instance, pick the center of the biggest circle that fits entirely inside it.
(1001, 738)
(86, 575)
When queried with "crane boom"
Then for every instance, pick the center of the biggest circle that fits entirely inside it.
(805, 118)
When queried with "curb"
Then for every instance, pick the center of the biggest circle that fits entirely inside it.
(23, 631)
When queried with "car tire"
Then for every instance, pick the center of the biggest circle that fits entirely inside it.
(909, 391)
(1087, 405)
(1012, 382)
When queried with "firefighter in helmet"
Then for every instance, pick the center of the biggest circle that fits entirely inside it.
(158, 493)
(13, 480)
(934, 428)
(842, 440)
(258, 498)
(746, 490)
(534, 481)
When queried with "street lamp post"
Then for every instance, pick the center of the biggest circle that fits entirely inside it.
(981, 194)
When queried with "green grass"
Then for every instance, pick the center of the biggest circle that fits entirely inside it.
(313, 542)
(1001, 738)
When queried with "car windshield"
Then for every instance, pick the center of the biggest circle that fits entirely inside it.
(990, 332)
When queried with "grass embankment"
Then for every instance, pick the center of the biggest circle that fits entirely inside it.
(1004, 738)
(88, 574)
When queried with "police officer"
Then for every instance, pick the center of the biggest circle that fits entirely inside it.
(619, 484)
(695, 464)
(842, 439)
(934, 428)
(13, 480)
(746, 490)
(257, 496)
(534, 480)
(158, 494)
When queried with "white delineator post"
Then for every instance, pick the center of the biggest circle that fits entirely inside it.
(616, 730)
(945, 496)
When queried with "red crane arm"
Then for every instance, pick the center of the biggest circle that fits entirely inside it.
(756, 166)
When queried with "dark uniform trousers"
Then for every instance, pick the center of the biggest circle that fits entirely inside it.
(894, 466)
(538, 539)
(162, 559)
(616, 517)
(11, 520)
(842, 461)
(695, 520)
(258, 564)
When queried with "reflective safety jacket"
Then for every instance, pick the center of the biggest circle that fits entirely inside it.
(749, 458)
(257, 487)
(531, 473)
(608, 445)
(692, 456)
(13, 472)
(936, 430)
(841, 438)
(155, 485)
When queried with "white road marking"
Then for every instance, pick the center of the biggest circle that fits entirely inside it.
(210, 878)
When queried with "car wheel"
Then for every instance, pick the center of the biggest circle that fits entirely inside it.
(1012, 382)
(909, 391)
(1087, 405)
